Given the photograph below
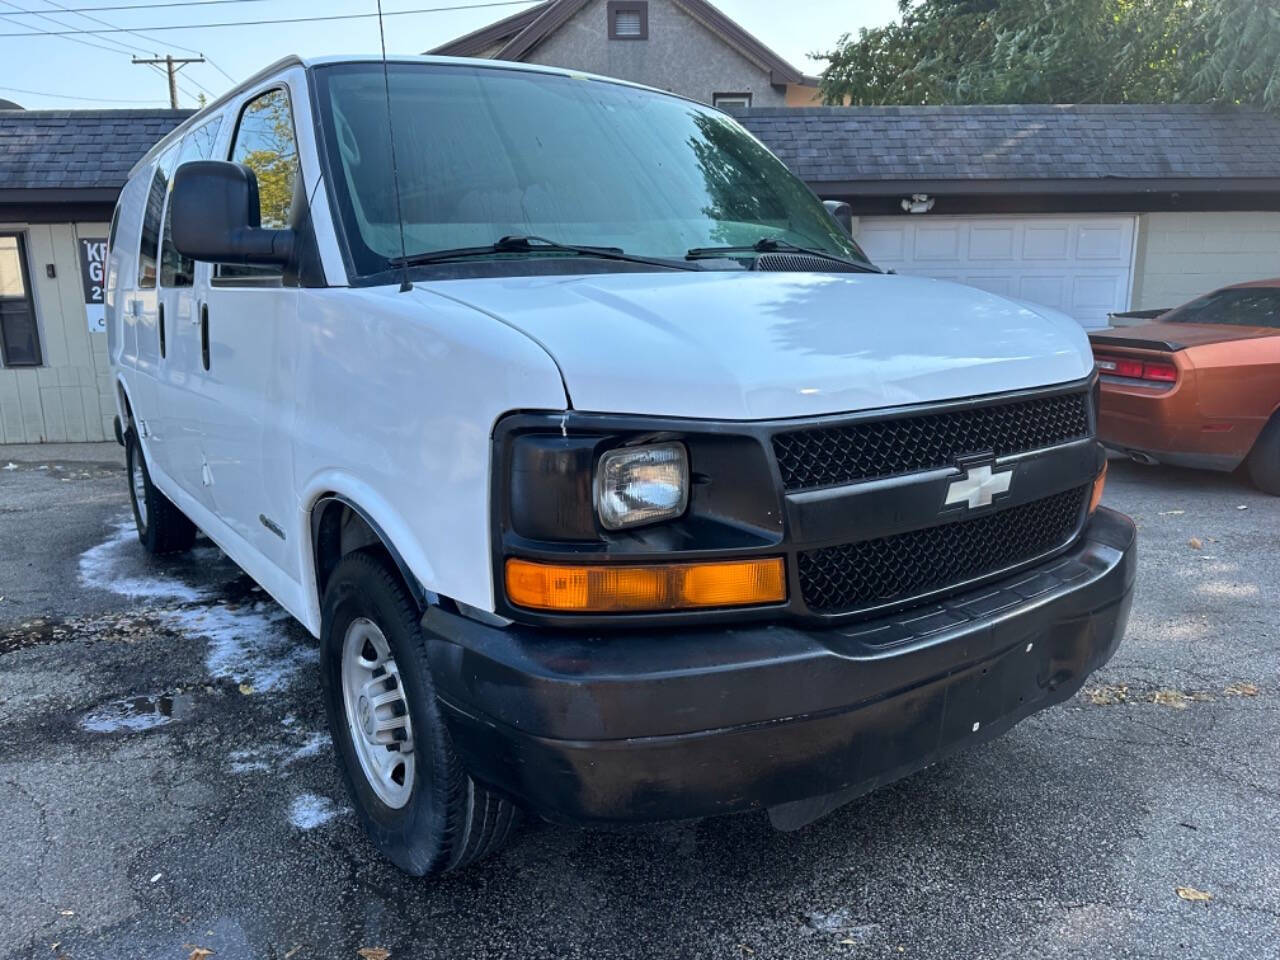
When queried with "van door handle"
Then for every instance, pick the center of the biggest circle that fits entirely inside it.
(160, 327)
(204, 335)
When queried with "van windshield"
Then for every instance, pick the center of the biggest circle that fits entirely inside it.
(485, 153)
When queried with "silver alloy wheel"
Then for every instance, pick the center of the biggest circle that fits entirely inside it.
(377, 712)
(139, 484)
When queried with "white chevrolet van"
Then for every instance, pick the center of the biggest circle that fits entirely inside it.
(615, 482)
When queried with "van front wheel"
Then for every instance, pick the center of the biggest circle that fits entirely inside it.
(418, 805)
(162, 527)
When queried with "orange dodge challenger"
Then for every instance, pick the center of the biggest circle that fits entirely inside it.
(1199, 386)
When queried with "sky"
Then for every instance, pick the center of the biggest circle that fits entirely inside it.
(94, 70)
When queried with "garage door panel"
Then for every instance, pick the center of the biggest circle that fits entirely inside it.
(1105, 240)
(1096, 292)
(940, 242)
(1004, 286)
(1046, 241)
(994, 242)
(1080, 265)
(884, 244)
(1047, 289)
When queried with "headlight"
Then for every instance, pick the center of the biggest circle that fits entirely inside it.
(637, 485)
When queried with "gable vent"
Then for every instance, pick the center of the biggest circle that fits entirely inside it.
(626, 23)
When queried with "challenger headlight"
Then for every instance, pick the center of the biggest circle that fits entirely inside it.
(638, 485)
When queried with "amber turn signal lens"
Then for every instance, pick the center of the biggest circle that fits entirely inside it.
(609, 588)
(1099, 482)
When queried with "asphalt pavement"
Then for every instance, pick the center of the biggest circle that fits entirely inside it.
(167, 785)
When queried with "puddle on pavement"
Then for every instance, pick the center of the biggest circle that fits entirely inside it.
(135, 714)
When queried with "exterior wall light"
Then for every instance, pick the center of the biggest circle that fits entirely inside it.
(919, 203)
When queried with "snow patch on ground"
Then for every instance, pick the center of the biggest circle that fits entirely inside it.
(310, 810)
(278, 756)
(103, 567)
(247, 645)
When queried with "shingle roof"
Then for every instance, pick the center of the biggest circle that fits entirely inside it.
(1021, 142)
(77, 149)
(525, 30)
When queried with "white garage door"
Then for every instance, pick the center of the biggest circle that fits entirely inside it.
(1080, 265)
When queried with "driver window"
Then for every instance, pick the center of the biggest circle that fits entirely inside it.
(265, 143)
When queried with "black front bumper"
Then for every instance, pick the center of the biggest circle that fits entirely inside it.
(658, 725)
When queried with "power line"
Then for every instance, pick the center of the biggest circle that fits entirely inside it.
(64, 96)
(265, 23)
(151, 6)
(134, 33)
(118, 48)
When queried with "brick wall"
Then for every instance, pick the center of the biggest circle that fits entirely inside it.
(1183, 255)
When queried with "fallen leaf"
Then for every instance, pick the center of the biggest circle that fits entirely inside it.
(373, 953)
(1107, 694)
(67, 913)
(1170, 698)
(1243, 506)
(848, 941)
(292, 952)
(1241, 690)
(1172, 513)
(200, 953)
(1192, 894)
(1195, 543)
(157, 877)
(246, 689)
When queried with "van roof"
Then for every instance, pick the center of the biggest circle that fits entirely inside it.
(306, 62)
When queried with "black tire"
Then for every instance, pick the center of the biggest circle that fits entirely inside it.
(448, 820)
(1264, 459)
(162, 527)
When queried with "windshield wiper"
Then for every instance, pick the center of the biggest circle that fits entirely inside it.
(774, 245)
(533, 244)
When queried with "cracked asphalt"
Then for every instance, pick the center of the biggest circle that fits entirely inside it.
(166, 781)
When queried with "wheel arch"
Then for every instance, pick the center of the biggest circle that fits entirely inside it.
(339, 525)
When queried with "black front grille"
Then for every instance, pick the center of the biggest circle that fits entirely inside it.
(865, 450)
(858, 576)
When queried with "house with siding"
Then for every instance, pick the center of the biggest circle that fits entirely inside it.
(683, 46)
(60, 174)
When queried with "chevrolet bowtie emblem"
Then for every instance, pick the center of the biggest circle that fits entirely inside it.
(978, 487)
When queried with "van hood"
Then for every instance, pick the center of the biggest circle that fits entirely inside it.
(747, 345)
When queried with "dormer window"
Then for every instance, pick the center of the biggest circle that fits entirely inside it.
(628, 20)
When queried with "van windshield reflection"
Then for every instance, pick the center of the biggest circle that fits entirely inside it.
(485, 152)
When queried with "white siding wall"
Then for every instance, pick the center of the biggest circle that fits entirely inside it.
(1183, 255)
(69, 397)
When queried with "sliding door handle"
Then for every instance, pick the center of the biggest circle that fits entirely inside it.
(204, 335)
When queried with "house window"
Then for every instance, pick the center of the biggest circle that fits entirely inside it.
(628, 20)
(19, 336)
(727, 101)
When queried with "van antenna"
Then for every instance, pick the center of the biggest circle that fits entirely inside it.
(405, 285)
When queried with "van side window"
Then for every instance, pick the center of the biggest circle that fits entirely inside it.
(175, 269)
(265, 143)
(151, 227)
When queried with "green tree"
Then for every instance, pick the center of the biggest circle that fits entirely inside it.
(1063, 51)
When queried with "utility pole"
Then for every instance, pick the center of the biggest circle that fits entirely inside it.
(172, 66)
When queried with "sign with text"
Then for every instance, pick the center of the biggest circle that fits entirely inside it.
(93, 275)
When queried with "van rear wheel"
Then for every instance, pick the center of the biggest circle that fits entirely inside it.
(162, 527)
(418, 805)
(1264, 459)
